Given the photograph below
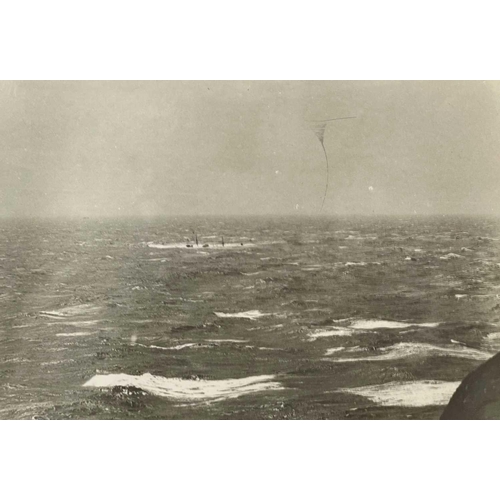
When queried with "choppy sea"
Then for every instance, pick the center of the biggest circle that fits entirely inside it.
(290, 318)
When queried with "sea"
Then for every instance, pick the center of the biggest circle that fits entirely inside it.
(244, 318)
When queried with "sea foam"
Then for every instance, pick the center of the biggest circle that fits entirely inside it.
(353, 326)
(406, 350)
(253, 315)
(188, 390)
(411, 394)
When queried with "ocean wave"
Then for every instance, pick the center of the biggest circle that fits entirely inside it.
(176, 347)
(334, 350)
(74, 323)
(252, 315)
(411, 394)
(332, 332)
(493, 336)
(359, 264)
(57, 362)
(491, 342)
(67, 312)
(374, 324)
(352, 237)
(354, 326)
(188, 390)
(451, 256)
(406, 350)
(74, 334)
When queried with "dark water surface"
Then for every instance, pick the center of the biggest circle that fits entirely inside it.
(344, 317)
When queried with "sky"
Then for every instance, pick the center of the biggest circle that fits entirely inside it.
(111, 148)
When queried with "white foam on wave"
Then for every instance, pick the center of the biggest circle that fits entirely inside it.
(411, 394)
(493, 336)
(352, 237)
(374, 324)
(358, 264)
(68, 312)
(75, 323)
(188, 390)
(451, 256)
(406, 350)
(173, 348)
(333, 332)
(74, 334)
(334, 350)
(206, 343)
(236, 341)
(57, 362)
(492, 342)
(252, 315)
(354, 326)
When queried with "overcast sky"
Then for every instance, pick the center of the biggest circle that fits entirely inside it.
(150, 148)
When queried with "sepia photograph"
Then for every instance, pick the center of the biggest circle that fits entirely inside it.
(249, 250)
(282, 249)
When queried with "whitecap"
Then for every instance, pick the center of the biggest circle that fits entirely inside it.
(332, 332)
(74, 334)
(406, 350)
(75, 323)
(71, 311)
(354, 326)
(360, 264)
(492, 342)
(236, 341)
(188, 390)
(57, 362)
(252, 315)
(334, 350)
(411, 394)
(374, 324)
(451, 256)
(493, 336)
(173, 348)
